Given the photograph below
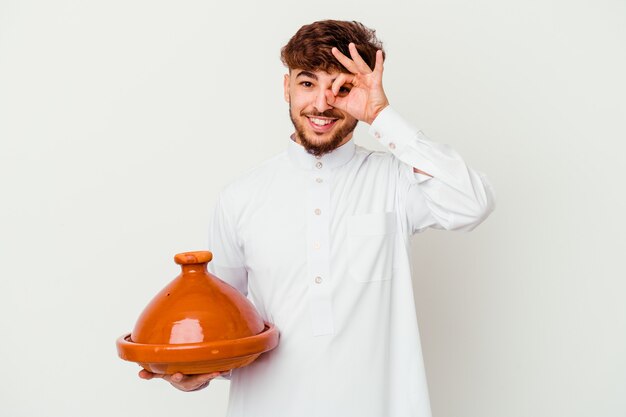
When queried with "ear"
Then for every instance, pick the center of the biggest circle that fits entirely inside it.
(286, 87)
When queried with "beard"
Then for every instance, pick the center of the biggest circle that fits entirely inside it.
(316, 148)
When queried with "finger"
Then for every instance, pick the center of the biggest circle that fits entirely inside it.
(335, 101)
(143, 374)
(202, 378)
(360, 63)
(181, 379)
(344, 60)
(197, 382)
(378, 68)
(340, 81)
(174, 378)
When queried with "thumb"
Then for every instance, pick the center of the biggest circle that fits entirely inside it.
(333, 100)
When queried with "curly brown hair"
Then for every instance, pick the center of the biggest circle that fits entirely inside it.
(310, 48)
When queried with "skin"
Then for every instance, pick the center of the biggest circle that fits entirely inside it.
(345, 98)
(367, 98)
(184, 382)
(357, 94)
(341, 97)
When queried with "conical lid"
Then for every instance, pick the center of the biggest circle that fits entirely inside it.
(196, 307)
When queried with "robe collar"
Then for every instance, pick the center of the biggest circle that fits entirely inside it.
(336, 158)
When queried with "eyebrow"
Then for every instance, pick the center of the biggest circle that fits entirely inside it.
(307, 74)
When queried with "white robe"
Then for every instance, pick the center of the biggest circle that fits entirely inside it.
(321, 246)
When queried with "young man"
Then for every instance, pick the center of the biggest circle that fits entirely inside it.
(319, 238)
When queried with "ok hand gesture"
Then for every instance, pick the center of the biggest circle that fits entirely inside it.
(366, 97)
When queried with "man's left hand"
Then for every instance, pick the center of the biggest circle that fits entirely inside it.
(366, 97)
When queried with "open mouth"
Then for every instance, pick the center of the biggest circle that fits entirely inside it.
(321, 124)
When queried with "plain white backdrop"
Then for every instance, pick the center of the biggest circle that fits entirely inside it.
(121, 120)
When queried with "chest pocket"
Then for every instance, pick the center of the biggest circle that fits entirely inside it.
(370, 244)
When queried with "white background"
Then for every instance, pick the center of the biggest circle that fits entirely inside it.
(121, 120)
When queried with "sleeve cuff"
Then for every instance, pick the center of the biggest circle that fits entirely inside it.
(393, 132)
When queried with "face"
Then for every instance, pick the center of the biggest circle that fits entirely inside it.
(320, 128)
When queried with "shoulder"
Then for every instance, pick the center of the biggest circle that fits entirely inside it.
(379, 165)
(365, 157)
(364, 153)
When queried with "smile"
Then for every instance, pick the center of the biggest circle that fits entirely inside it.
(321, 124)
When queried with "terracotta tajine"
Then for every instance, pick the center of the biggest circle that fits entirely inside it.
(197, 324)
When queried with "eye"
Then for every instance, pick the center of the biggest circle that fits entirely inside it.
(306, 84)
(344, 91)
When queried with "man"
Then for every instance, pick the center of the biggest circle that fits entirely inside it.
(318, 237)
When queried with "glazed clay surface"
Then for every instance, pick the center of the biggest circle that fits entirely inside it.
(196, 307)
(197, 324)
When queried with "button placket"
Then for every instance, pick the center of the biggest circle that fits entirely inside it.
(318, 253)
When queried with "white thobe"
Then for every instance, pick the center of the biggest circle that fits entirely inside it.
(321, 246)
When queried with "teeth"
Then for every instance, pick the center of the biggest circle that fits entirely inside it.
(321, 122)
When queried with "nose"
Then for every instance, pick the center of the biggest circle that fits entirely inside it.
(321, 104)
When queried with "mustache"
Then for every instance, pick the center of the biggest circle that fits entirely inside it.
(328, 113)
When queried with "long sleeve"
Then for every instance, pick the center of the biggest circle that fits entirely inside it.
(228, 257)
(456, 197)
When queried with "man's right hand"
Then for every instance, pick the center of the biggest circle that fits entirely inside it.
(184, 382)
